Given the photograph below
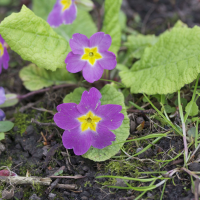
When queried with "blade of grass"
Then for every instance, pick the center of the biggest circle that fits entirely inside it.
(136, 106)
(163, 190)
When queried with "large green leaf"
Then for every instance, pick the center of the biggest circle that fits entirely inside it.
(137, 43)
(168, 65)
(111, 24)
(35, 78)
(110, 95)
(83, 23)
(34, 40)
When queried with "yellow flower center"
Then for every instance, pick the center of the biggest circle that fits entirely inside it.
(66, 4)
(91, 55)
(89, 121)
(1, 49)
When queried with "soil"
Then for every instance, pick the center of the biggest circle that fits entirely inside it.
(37, 149)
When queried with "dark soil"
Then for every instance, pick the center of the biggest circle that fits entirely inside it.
(27, 152)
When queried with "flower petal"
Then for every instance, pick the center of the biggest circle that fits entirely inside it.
(69, 15)
(92, 73)
(2, 95)
(67, 115)
(77, 140)
(103, 137)
(108, 61)
(90, 101)
(100, 40)
(78, 43)
(111, 116)
(55, 16)
(5, 59)
(74, 62)
(2, 115)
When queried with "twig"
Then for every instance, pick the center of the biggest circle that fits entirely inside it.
(73, 177)
(42, 124)
(190, 173)
(67, 186)
(44, 90)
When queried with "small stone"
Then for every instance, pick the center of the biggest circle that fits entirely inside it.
(194, 167)
(2, 147)
(85, 168)
(84, 198)
(52, 196)
(34, 197)
(139, 149)
(67, 193)
(120, 182)
(139, 120)
(30, 130)
(85, 193)
(132, 126)
(7, 194)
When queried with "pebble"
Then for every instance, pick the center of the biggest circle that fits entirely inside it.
(34, 197)
(139, 120)
(52, 196)
(120, 182)
(84, 198)
(194, 167)
(132, 126)
(2, 147)
(85, 168)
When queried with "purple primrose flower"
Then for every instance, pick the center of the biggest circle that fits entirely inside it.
(64, 12)
(89, 123)
(2, 115)
(2, 95)
(90, 55)
(4, 56)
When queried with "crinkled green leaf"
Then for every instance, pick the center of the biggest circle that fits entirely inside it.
(35, 78)
(111, 24)
(168, 65)
(137, 43)
(83, 23)
(2, 136)
(75, 96)
(34, 40)
(180, 24)
(11, 100)
(122, 19)
(6, 126)
(110, 95)
(192, 108)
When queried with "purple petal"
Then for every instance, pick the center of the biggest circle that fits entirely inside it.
(1, 63)
(78, 43)
(2, 95)
(89, 101)
(74, 62)
(77, 140)
(69, 15)
(111, 116)
(92, 73)
(100, 40)
(2, 40)
(103, 137)
(5, 59)
(66, 116)
(2, 115)
(55, 16)
(108, 61)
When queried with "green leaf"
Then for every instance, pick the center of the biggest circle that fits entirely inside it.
(137, 43)
(35, 78)
(5, 126)
(169, 109)
(75, 96)
(34, 40)
(192, 132)
(122, 20)
(83, 23)
(192, 108)
(111, 24)
(110, 95)
(183, 102)
(11, 100)
(2, 136)
(168, 65)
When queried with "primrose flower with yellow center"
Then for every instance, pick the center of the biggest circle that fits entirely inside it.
(64, 12)
(4, 56)
(91, 56)
(89, 123)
